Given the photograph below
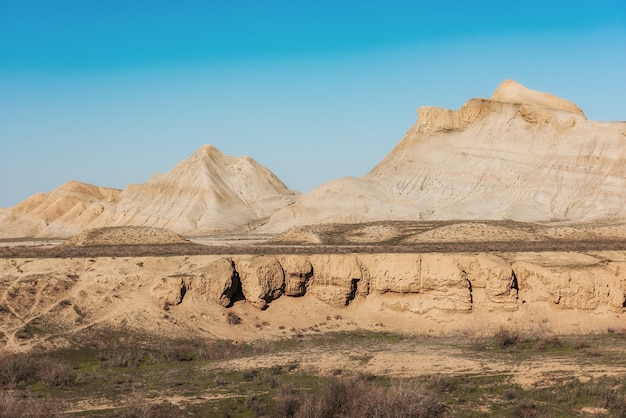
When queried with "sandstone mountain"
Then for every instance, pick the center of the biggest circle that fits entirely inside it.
(522, 155)
(207, 193)
(62, 212)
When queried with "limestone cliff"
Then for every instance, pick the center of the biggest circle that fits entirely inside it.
(429, 291)
(520, 155)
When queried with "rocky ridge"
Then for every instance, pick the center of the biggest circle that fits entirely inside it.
(521, 155)
(207, 193)
(48, 302)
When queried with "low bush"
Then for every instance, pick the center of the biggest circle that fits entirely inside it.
(118, 357)
(505, 337)
(18, 370)
(233, 318)
(11, 407)
(356, 397)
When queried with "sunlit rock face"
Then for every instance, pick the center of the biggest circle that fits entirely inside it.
(521, 155)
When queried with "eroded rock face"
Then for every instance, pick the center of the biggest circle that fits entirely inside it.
(585, 288)
(338, 279)
(496, 276)
(298, 270)
(218, 281)
(169, 291)
(262, 279)
(41, 298)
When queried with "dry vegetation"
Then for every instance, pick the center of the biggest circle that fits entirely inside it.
(373, 237)
(508, 373)
(223, 378)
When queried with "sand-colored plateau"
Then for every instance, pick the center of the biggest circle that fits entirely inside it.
(51, 302)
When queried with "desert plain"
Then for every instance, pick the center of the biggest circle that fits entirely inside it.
(479, 269)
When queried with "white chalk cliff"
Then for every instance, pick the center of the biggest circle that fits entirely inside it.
(521, 155)
(207, 193)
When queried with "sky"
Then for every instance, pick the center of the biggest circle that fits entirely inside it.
(111, 92)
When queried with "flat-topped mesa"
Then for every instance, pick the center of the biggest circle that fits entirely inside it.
(534, 106)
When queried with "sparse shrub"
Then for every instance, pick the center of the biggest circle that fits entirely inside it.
(10, 407)
(505, 337)
(54, 373)
(220, 381)
(288, 402)
(359, 398)
(276, 370)
(548, 341)
(15, 370)
(615, 402)
(442, 383)
(257, 405)
(293, 365)
(581, 343)
(117, 357)
(19, 370)
(249, 374)
(594, 352)
(525, 408)
(233, 318)
(268, 378)
(510, 394)
(336, 372)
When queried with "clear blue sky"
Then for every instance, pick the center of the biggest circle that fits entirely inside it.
(110, 92)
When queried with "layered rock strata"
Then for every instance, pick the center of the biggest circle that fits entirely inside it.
(45, 297)
(522, 155)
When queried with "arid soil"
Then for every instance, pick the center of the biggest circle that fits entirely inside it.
(109, 289)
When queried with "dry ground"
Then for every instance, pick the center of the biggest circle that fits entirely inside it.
(473, 372)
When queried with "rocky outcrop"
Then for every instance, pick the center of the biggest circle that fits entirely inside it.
(338, 279)
(511, 92)
(588, 288)
(60, 296)
(521, 155)
(262, 280)
(298, 270)
(409, 282)
(217, 281)
(435, 119)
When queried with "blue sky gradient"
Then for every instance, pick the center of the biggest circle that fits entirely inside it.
(111, 92)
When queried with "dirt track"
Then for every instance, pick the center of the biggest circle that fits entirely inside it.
(199, 249)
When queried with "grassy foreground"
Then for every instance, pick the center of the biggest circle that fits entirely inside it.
(205, 378)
